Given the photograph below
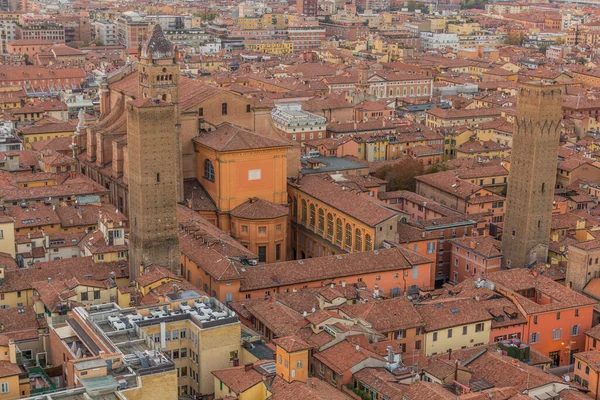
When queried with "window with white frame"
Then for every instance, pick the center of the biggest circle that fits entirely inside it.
(534, 338)
(557, 334)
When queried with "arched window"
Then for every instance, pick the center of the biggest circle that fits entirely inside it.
(311, 221)
(164, 97)
(321, 220)
(209, 170)
(348, 235)
(329, 226)
(224, 109)
(304, 211)
(338, 231)
(157, 78)
(368, 242)
(247, 108)
(170, 77)
(358, 240)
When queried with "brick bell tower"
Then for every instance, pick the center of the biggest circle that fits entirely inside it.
(158, 72)
(532, 175)
(153, 148)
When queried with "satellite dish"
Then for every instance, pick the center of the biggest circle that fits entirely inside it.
(566, 378)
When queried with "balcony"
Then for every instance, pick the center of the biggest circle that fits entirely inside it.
(39, 381)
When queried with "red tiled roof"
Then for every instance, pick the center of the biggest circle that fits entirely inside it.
(355, 204)
(228, 137)
(385, 315)
(519, 279)
(256, 208)
(238, 379)
(292, 344)
(446, 314)
(345, 355)
(330, 267)
(8, 369)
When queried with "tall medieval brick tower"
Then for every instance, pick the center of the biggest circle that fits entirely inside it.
(532, 174)
(158, 71)
(153, 149)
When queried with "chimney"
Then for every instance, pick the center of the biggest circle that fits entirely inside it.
(390, 351)
(449, 354)
(1, 327)
(248, 367)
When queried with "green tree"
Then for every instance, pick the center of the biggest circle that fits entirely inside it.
(582, 60)
(436, 168)
(515, 39)
(469, 4)
(401, 176)
(209, 16)
(98, 42)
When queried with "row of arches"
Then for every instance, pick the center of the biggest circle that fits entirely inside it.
(161, 78)
(334, 229)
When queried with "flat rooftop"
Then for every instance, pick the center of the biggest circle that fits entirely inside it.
(331, 164)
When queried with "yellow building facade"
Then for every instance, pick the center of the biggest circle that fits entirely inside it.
(274, 46)
(291, 359)
(37, 133)
(249, 23)
(457, 337)
(199, 352)
(7, 236)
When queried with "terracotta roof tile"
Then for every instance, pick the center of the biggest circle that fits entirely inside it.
(228, 137)
(330, 267)
(9, 369)
(256, 208)
(446, 314)
(292, 344)
(385, 315)
(238, 379)
(485, 246)
(520, 279)
(355, 204)
(343, 356)
(313, 389)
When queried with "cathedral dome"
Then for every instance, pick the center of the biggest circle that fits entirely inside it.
(158, 46)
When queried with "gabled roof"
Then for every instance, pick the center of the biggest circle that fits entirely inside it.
(229, 137)
(256, 209)
(385, 315)
(329, 267)
(345, 355)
